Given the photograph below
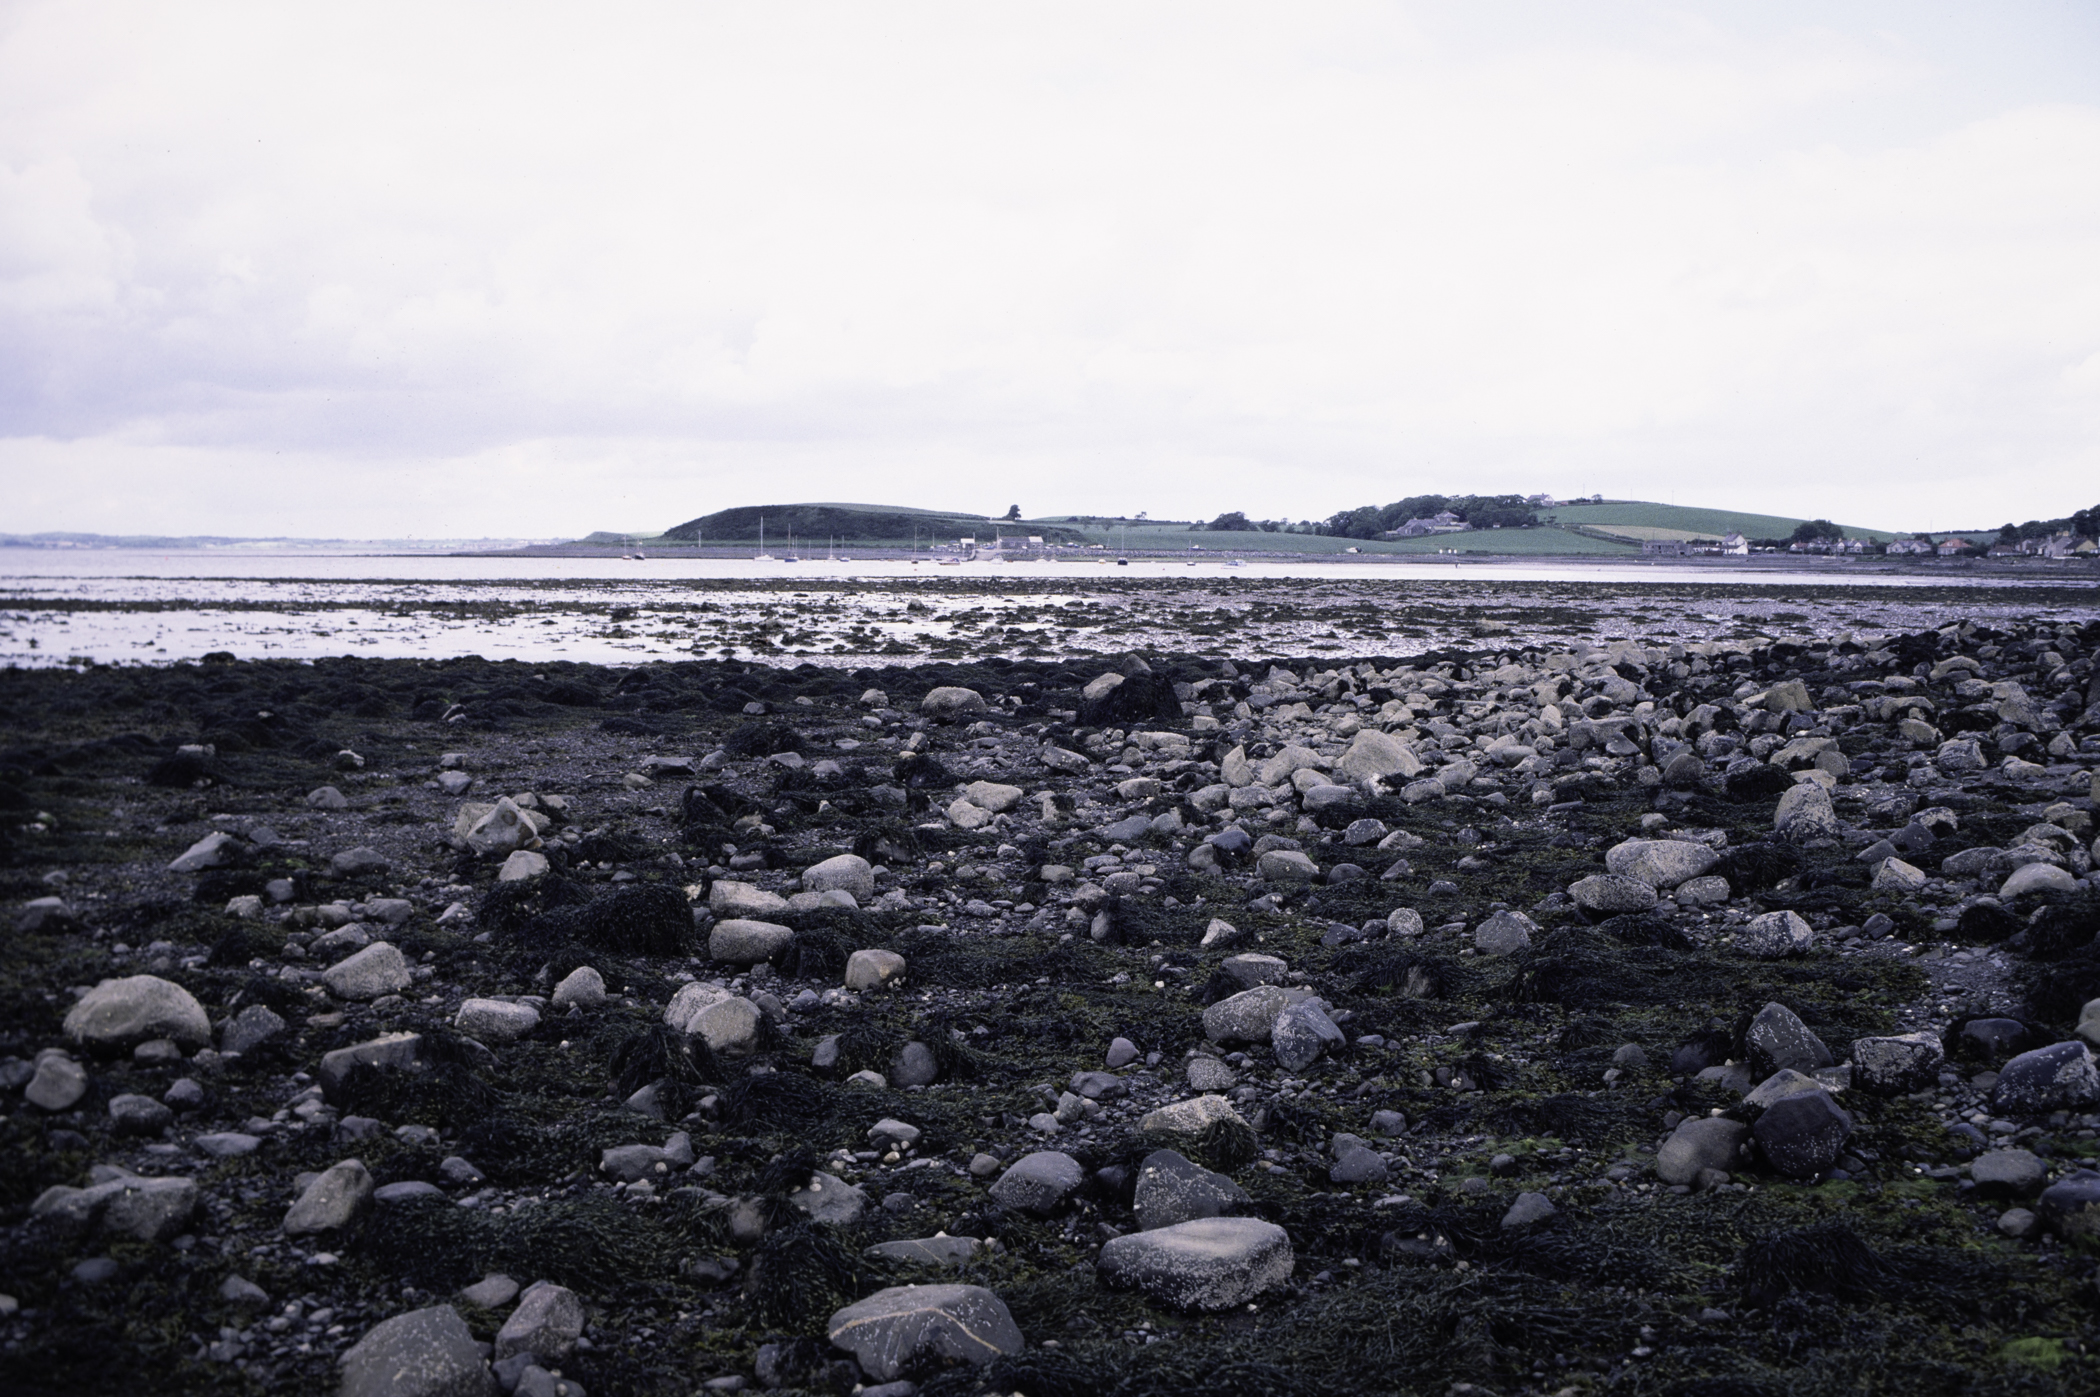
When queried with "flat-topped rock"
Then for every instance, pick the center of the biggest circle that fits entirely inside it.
(1206, 1264)
(891, 1328)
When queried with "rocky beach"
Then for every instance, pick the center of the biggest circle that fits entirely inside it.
(1660, 991)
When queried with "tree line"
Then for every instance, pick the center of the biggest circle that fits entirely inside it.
(1371, 521)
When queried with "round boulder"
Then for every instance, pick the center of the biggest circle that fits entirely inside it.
(872, 968)
(118, 1015)
(951, 701)
(847, 872)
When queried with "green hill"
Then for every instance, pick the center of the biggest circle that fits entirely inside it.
(1646, 519)
(849, 523)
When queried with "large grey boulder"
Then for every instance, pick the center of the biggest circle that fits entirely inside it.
(424, 1353)
(2008, 1173)
(248, 1030)
(390, 1052)
(332, 1201)
(1529, 1210)
(831, 1200)
(1172, 1189)
(1504, 934)
(742, 941)
(1373, 754)
(731, 1026)
(358, 862)
(581, 988)
(144, 1209)
(118, 1015)
(728, 898)
(1204, 1264)
(1899, 1063)
(492, 828)
(2038, 878)
(1247, 1017)
(1612, 893)
(1705, 1142)
(985, 795)
(522, 866)
(1190, 1116)
(379, 969)
(2056, 1078)
(58, 1082)
(1252, 968)
(1039, 1182)
(890, 1328)
(547, 1323)
(1302, 1035)
(151, 1210)
(852, 873)
(495, 1020)
(1286, 866)
(1805, 812)
(1660, 863)
(872, 968)
(1287, 763)
(1775, 935)
(1778, 1039)
(950, 701)
(132, 1114)
(691, 1000)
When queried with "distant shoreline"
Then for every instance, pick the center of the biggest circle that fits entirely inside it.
(2053, 568)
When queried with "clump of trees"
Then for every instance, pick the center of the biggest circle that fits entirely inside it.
(2085, 523)
(1370, 521)
(1816, 531)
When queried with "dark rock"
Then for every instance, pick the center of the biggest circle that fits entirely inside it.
(1172, 1189)
(1777, 1038)
(2058, 1077)
(1803, 1133)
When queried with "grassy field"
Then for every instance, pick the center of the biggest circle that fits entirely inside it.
(1178, 538)
(1628, 521)
(1687, 521)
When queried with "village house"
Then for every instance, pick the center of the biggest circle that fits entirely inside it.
(1442, 522)
(1732, 545)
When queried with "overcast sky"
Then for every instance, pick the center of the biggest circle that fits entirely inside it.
(447, 269)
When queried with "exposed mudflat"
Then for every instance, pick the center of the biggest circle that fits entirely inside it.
(933, 613)
(1463, 912)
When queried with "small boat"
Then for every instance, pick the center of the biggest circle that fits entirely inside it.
(762, 556)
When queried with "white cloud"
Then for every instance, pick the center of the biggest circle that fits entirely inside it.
(523, 269)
